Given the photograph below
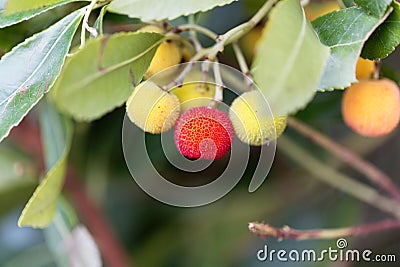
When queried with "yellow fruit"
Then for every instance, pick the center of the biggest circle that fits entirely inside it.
(372, 107)
(314, 9)
(195, 91)
(252, 120)
(249, 42)
(187, 50)
(365, 68)
(152, 109)
(168, 53)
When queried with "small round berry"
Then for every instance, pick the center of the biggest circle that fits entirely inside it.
(372, 107)
(203, 132)
(252, 120)
(152, 109)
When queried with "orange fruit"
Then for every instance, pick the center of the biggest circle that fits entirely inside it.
(365, 68)
(372, 107)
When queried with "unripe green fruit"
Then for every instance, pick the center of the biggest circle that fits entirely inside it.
(168, 53)
(195, 91)
(152, 109)
(252, 121)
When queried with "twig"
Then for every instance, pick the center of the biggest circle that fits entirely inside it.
(243, 65)
(266, 230)
(369, 170)
(329, 175)
(197, 28)
(219, 85)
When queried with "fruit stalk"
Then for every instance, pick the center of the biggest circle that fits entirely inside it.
(369, 170)
(85, 25)
(243, 65)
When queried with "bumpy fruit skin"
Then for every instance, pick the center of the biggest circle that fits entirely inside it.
(252, 121)
(168, 53)
(365, 68)
(152, 109)
(372, 107)
(195, 92)
(203, 132)
(314, 10)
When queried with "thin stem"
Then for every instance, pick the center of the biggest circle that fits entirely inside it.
(369, 170)
(233, 34)
(179, 80)
(198, 28)
(243, 65)
(85, 25)
(219, 85)
(329, 175)
(377, 71)
(237, 32)
(193, 35)
(266, 230)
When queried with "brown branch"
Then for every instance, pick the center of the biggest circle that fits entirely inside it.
(369, 170)
(266, 230)
(113, 253)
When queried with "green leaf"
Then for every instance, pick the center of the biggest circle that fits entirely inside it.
(375, 7)
(30, 69)
(18, 6)
(385, 38)
(289, 60)
(14, 18)
(159, 10)
(16, 169)
(56, 135)
(98, 78)
(344, 31)
(347, 3)
(98, 24)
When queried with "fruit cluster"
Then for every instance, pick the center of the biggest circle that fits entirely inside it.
(200, 130)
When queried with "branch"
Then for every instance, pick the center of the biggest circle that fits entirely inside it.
(112, 252)
(369, 170)
(329, 175)
(266, 230)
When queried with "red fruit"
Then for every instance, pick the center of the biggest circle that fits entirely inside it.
(203, 132)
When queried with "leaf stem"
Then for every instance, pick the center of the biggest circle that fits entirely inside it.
(266, 230)
(329, 175)
(369, 170)
(85, 25)
(193, 35)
